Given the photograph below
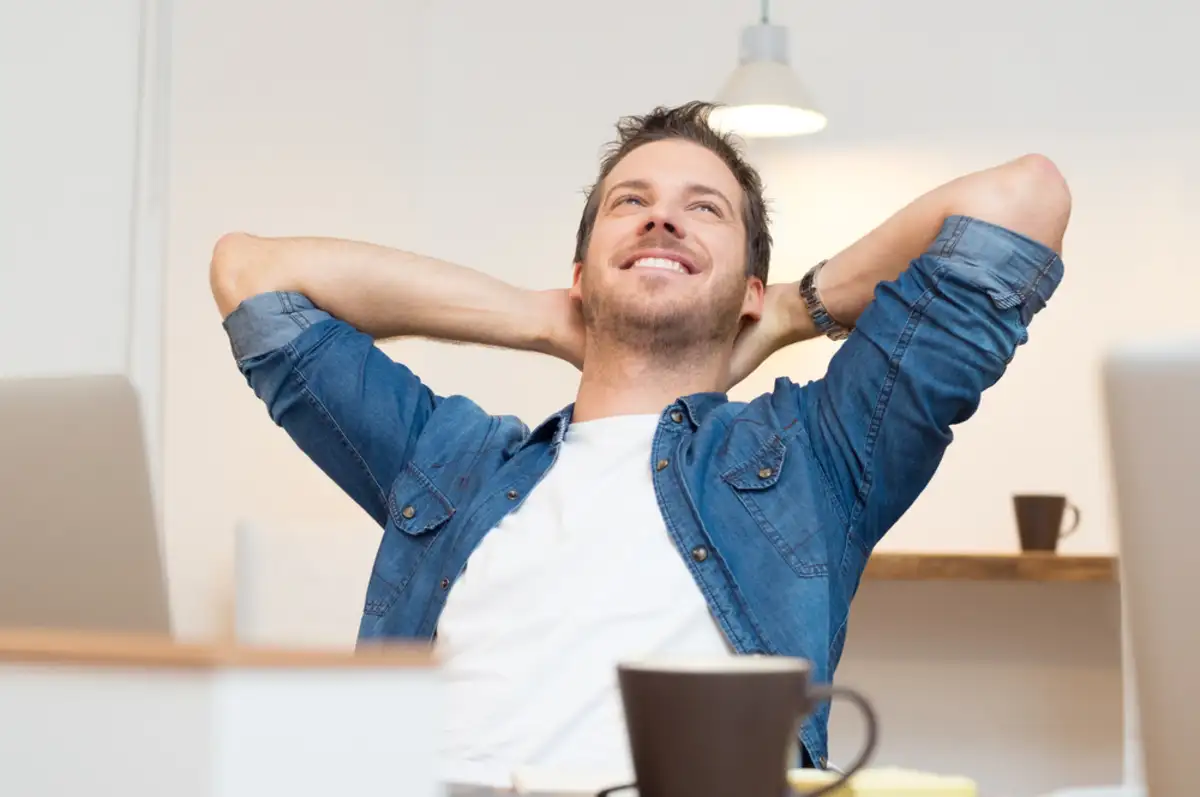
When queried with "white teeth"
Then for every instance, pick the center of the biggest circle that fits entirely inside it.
(664, 263)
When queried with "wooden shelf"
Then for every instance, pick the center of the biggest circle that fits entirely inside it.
(885, 566)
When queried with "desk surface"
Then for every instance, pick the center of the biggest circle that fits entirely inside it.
(92, 648)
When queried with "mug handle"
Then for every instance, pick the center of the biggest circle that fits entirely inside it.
(821, 693)
(1074, 521)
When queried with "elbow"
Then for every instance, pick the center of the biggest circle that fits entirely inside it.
(230, 272)
(1041, 188)
(1027, 195)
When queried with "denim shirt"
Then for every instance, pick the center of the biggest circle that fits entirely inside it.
(774, 504)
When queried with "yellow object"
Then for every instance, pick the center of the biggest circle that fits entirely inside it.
(885, 782)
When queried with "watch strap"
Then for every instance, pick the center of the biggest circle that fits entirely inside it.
(826, 324)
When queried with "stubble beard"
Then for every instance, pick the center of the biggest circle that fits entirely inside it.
(671, 336)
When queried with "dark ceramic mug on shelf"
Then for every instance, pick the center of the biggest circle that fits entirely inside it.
(1040, 520)
(715, 728)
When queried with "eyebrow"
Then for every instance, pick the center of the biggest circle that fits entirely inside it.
(690, 188)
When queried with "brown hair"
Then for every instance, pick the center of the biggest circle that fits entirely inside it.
(690, 123)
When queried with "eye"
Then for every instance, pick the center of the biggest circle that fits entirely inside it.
(629, 198)
(709, 206)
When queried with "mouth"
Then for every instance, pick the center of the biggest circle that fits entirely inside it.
(668, 261)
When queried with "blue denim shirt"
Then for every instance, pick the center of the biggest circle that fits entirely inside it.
(774, 504)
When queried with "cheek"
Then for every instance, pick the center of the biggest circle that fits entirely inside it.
(610, 236)
(600, 247)
(735, 250)
(728, 252)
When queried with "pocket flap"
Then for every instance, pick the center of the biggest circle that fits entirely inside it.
(416, 505)
(762, 470)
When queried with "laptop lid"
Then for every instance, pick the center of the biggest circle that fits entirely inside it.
(1152, 396)
(79, 545)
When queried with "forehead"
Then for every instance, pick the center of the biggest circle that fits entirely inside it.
(674, 165)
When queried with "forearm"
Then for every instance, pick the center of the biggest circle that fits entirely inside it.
(383, 292)
(1026, 195)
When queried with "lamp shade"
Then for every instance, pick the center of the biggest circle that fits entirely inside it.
(763, 97)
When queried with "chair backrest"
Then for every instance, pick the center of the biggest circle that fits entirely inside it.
(301, 585)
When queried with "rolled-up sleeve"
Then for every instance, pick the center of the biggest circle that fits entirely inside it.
(923, 353)
(270, 321)
(349, 407)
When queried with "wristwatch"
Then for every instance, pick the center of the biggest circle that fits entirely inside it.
(825, 323)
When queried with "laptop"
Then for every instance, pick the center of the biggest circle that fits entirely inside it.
(79, 546)
(1152, 398)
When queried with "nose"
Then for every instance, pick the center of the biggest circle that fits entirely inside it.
(659, 220)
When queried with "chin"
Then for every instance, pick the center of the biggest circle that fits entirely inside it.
(649, 311)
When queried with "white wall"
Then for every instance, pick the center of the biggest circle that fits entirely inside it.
(306, 121)
(467, 130)
(68, 95)
(1017, 685)
(82, 205)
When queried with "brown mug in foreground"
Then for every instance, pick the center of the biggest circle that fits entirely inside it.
(1040, 520)
(725, 727)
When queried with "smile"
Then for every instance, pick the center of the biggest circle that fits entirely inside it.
(661, 259)
(660, 264)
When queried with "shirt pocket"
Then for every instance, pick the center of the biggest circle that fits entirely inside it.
(417, 510)
(774, 491)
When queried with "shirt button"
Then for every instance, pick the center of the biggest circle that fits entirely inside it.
(765, 473)
(512, 495)
(662, 463)
(699, 553)
(445, 583)
(677, 416)
(408, 512)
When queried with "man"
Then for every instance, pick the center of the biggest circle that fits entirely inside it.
(653, 516)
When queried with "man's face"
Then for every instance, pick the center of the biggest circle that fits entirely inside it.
(665, 268)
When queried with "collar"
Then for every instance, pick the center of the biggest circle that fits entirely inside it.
(697, 407)
(553, 429)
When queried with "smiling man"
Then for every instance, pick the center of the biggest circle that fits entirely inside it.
(653, 516)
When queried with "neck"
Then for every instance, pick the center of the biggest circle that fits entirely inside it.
(617, 382)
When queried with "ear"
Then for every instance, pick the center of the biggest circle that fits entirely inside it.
(752, 305)
(576, 291)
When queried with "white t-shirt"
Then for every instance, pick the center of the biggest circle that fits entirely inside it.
(583, 575)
